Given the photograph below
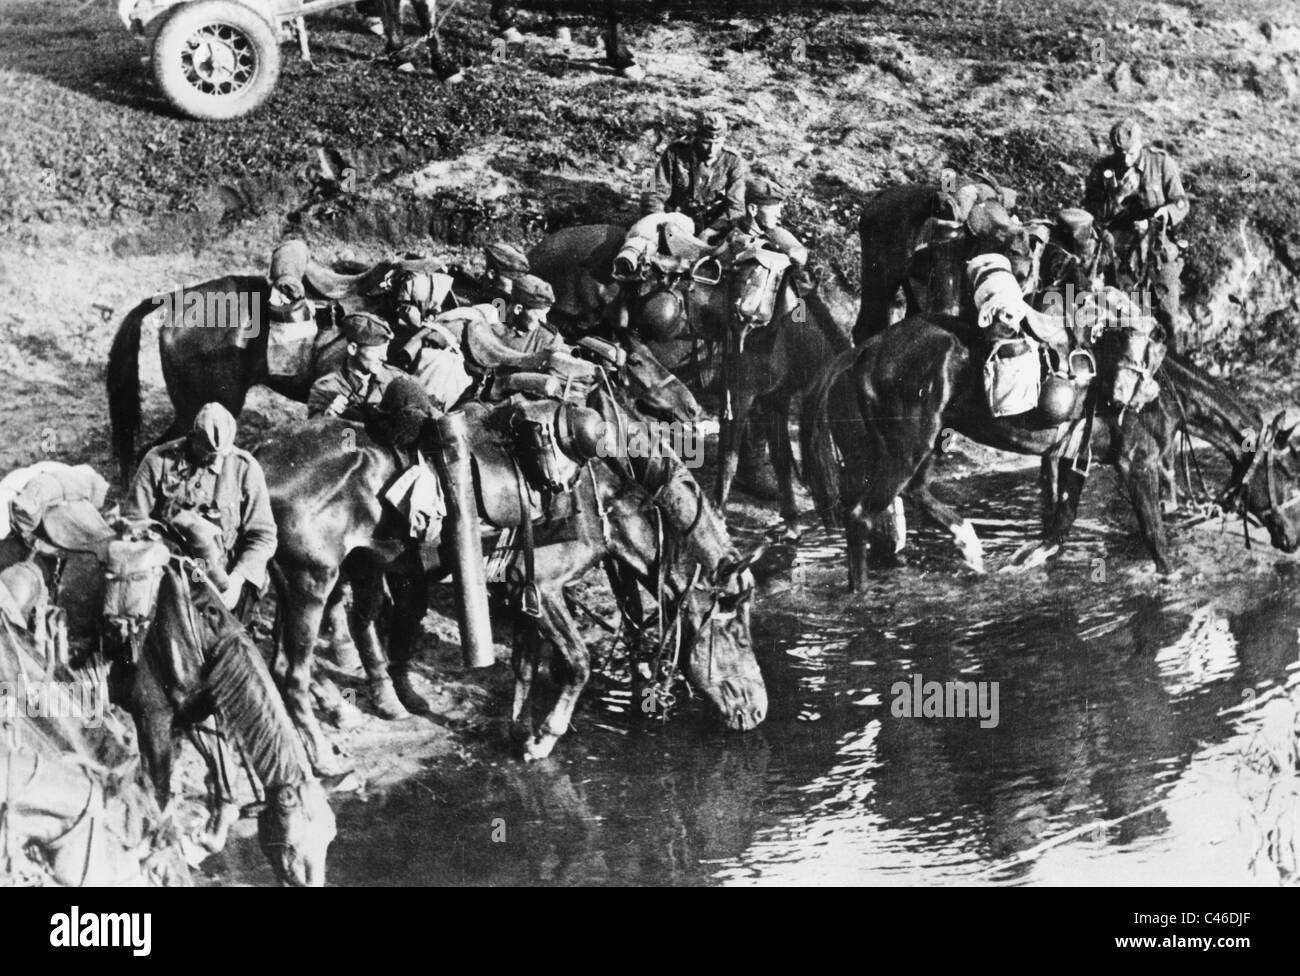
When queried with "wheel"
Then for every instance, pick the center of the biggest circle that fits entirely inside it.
(216, 59)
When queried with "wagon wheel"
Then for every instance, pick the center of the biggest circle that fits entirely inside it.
(216, 59)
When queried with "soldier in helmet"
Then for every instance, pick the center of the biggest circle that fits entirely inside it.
(1136, 194)
(358, 385)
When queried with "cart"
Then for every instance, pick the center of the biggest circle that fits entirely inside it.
(219, 59)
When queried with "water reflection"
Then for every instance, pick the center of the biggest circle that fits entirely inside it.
(1112, 735)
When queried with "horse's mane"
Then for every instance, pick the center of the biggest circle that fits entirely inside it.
(242, 691)
(254, 714)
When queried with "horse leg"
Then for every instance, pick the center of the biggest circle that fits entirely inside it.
(1139, 468)
(730, 440)
(525, 653)
(557, 626)
(410, 601)
(367, 601)
(302, 605)
(343, 649)
(223, 811)
(776, 416)
(947, 517)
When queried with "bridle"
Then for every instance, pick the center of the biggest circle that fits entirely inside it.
(1236, 495)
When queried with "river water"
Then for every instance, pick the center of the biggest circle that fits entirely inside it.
(1124, 705)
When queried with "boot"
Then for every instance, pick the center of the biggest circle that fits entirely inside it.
(628, 260)
(386, 701)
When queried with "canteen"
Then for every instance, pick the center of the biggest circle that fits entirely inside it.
(1058, 398)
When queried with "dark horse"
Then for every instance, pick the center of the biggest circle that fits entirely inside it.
(206, 361)
(763, 365)
(184, 659)
(197, 661)
(886, 403)
(908, 243)
(325, 483)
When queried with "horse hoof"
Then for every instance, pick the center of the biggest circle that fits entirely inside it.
(792, 532)
(539, 747)
(327, 764)
(406, 68)
(375, 26)
(386, 702)
(414, 702)
(633, 72)
(511, 35)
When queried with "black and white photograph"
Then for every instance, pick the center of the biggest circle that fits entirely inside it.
(650, 443)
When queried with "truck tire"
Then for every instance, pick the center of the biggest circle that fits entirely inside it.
(216, 59)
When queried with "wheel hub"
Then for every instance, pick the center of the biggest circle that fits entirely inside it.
(219, 59)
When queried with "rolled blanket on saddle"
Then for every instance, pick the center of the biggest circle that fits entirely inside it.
(54, 503)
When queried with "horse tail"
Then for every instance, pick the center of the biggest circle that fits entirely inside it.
(821, 463)
(123, 381)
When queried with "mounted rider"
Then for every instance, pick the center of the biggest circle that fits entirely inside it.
(698, 179)
(1136, 195)
(760, 226)
(214, 496)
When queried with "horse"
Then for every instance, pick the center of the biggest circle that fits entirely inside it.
(175, 657)
(212, 361)
(908, 242)
(886, 405)
(91, 823)
(679, 306)
(325, 482)
(196, 661)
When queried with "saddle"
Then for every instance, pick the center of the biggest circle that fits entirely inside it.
(323, 282)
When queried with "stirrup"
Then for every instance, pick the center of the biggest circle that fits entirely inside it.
(530, 600)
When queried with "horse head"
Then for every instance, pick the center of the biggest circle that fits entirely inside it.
(295, 829)
(656, 390)
(716, 627)
(1265, 482)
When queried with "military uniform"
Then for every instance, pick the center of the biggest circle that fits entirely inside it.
(1123, 203)
(230, 492)
(710, 194)
(363, 390)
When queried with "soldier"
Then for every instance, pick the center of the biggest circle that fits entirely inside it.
(356, 387)
(1136, 194)
(762, 223)
(518, 321)
(202, 479)
(701, 178)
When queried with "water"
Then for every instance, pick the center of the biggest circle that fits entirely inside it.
(1113, 760)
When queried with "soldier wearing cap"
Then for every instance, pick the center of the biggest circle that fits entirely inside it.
(701, 178)
(1136, 194)
(204, 475)
(762, 223)
(517, 321)
(357, 386)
